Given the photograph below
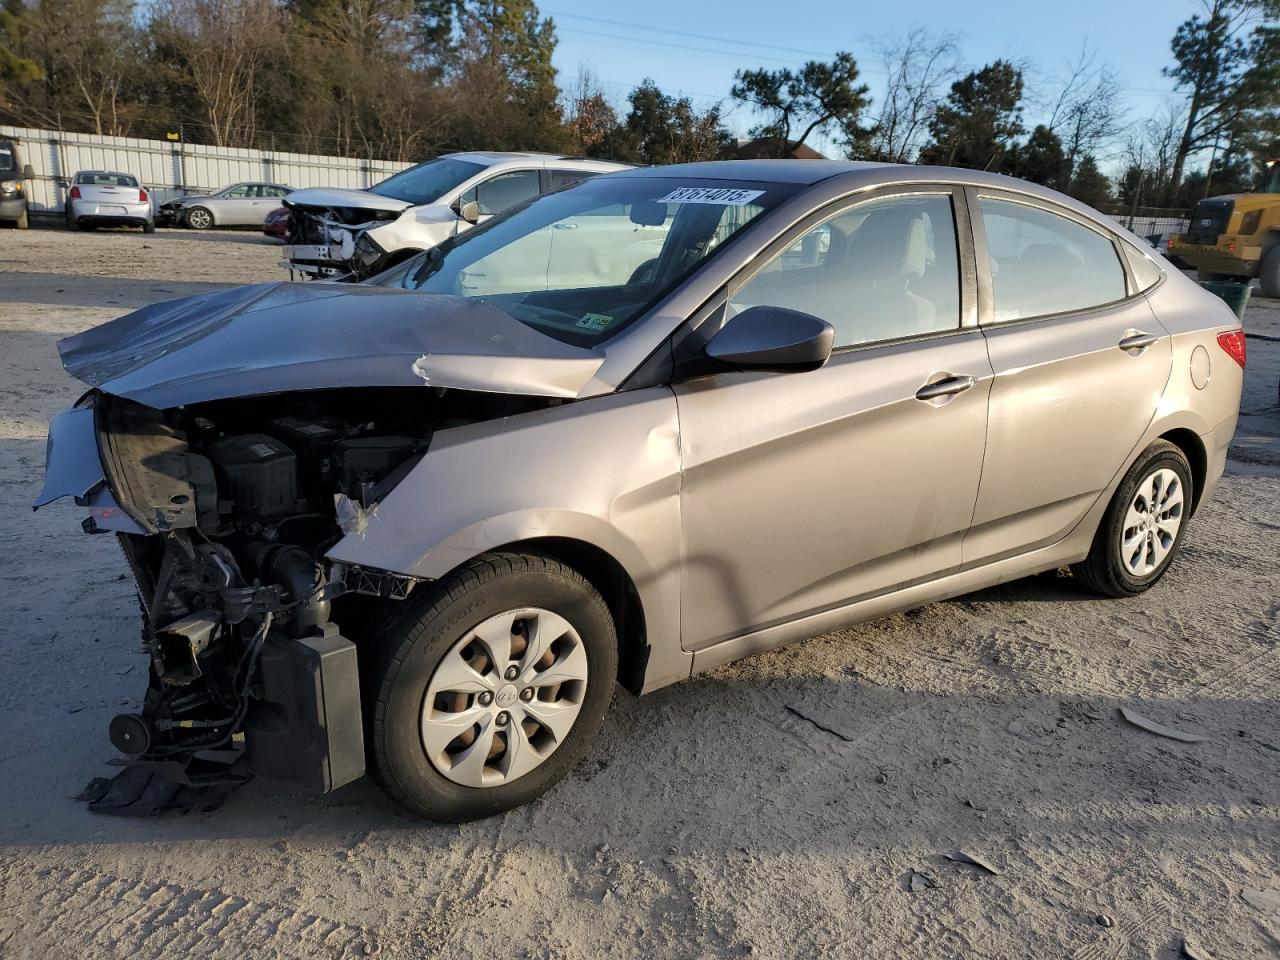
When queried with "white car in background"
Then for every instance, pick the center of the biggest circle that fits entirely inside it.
(352, 234)
(103, 198)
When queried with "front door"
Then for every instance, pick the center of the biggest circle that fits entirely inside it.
(1080, 367)
(805, 491)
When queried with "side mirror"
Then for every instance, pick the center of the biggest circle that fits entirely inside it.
(773, 338)
(470, 212)
(27, 172)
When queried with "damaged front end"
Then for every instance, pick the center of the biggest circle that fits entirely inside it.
(332, 242)
(225, 511)
(230, 441)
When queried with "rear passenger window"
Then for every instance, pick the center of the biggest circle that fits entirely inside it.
(1043, 264)
(881, 270)
(562, 178)
(503, 191)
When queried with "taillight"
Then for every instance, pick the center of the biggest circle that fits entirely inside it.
(142, 196)
(1233, 342)
(75, 193)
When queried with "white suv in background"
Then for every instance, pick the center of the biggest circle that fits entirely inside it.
(352, 234)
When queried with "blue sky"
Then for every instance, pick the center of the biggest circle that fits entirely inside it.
(1131, 36)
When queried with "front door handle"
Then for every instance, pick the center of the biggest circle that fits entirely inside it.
(945, 388)
(1137, 341)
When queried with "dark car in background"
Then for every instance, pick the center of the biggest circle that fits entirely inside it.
(13, 194)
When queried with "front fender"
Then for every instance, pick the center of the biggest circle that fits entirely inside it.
(604, 471)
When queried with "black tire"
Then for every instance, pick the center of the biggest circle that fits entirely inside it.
(204, 219)
(148, 228)
(1211, 276)
(1103, 571)
(408, 652)
(1269, 273)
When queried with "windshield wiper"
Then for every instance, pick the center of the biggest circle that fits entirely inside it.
(432, 261)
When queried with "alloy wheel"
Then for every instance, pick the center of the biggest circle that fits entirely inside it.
(1152, 522)
(504, 698)
(199, 219)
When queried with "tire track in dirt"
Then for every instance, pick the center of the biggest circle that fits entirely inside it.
(81, 912)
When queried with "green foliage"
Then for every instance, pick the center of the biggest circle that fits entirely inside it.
(798, 104)
(1089, 184)
(982, 116)
(1042, 159)
(661, 128)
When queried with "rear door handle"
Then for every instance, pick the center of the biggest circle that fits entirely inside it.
(945, 388)
(1137, 341)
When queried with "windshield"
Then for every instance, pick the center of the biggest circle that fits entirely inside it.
(427, 182)
(8, 156)
(581, 264)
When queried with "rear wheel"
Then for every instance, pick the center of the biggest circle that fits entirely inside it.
(148, 228)
(1142, 529)
(491, 687)
(1269, 273)
(198, 218)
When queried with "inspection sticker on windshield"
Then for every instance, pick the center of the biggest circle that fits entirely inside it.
(725, 196)
(594, 321)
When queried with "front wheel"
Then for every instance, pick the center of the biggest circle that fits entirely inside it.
(490, 687)
(1142, 529)
(198, 218)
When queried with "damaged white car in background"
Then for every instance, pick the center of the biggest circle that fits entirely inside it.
(352, 234)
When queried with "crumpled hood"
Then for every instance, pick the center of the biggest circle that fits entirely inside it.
(338, 197)
(276, 337)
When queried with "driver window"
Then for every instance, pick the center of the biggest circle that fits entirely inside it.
(239, 192)
(503, 191)
(880, 270)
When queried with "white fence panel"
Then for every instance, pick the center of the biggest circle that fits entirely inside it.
(175, 169)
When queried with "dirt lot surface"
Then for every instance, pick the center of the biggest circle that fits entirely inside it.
(776, 808)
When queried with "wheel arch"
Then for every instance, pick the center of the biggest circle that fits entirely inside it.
(612, 581)
(1192, 447)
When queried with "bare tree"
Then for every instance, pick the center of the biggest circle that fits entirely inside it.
(222, 49)
(588, 115)
(1087, 111)
(921, 67)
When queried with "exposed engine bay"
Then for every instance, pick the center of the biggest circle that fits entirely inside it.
(252, 633)
(326, 242)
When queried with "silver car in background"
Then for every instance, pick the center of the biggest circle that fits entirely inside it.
(239, 205)
(103, 198)
(626, 433)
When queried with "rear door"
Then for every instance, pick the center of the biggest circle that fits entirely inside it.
(1080, 365)
(805, 491)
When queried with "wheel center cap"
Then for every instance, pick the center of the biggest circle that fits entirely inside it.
(507, 695)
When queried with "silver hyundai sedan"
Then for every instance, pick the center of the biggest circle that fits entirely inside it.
(625, 433)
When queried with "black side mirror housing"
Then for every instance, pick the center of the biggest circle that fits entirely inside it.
(773, 338)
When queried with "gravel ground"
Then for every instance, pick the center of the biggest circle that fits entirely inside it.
(776, 808)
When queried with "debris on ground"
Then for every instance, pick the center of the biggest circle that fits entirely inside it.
(1268, 901)
(959, 856)
(1193, 951)
(920, 881)
(1104, 920)
(1159, 729)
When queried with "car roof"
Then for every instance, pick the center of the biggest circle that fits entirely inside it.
(492, 157)
(108, 173)
(769, 171)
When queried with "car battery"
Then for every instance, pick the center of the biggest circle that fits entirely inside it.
(312, 439)
(259, 473)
